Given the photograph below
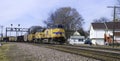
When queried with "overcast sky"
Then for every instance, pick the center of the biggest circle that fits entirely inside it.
(33, 12)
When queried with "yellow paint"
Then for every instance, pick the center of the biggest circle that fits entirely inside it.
(39, 35)
(50, 33)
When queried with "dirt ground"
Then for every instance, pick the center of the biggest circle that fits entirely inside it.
(27, 52)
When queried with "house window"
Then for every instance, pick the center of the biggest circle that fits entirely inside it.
(75, 40)
(80, 40)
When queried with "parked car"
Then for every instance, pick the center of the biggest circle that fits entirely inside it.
(88, 41)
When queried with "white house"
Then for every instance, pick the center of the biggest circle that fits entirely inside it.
(99, 30)
(76, 39)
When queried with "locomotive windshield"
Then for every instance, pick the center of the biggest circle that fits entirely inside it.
(60, 26)
(57, 26)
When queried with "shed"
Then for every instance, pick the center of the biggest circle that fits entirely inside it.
(76, 39)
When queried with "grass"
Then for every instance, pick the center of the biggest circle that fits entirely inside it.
(3, 51)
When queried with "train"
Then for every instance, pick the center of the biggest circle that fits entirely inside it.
(48, 35)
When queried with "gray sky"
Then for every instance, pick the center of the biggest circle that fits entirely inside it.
(33, 12)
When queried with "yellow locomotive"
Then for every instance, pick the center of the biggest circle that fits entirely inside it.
(31, 38)
(49, 35)
(55, 35)
(39, 36)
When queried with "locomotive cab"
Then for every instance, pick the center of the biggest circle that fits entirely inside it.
(56, 34)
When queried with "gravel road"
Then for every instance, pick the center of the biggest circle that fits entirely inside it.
(27, 52)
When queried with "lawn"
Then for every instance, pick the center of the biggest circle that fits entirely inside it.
(3, 52)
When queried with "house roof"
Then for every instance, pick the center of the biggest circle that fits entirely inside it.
(76, 33)
(105, 25)
(98, 25)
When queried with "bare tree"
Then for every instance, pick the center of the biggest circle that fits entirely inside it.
(67, 16)
(34, 29)
(101, 20)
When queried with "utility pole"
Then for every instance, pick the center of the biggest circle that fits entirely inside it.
(1, 32)
(114, 20)
(11, 29)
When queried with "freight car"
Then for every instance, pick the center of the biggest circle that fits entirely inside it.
(1, 39)
(5, 39)
(20, 38)
(12, 38)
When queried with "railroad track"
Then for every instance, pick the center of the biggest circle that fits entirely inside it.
(91, 53)
(102, 48)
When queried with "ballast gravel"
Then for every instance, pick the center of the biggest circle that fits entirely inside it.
(28, 52)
